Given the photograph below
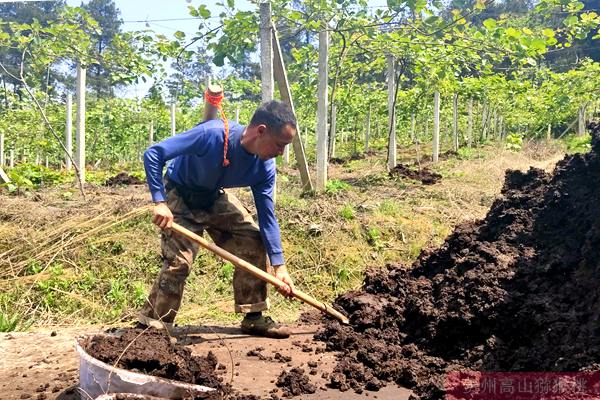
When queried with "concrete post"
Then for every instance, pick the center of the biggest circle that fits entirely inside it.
(173, 128)
(80, 123)
(368, 129)
(322, 96)
(391, 88)
(266, 51)
(2, 160)
(69, 132)
(436, 126)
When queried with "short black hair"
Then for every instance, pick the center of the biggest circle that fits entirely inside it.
(275, 115)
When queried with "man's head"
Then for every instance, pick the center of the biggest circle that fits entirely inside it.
(271, 128)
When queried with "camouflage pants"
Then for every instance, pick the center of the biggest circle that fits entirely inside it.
(231, 227)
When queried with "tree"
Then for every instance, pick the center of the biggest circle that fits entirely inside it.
(10, 57)
(189, 79)
(109, 20)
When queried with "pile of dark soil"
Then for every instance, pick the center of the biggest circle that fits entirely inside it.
(153, 353)
(295, 382)
(123, 179)
(425, 175)
(516, 291)
(353, 157)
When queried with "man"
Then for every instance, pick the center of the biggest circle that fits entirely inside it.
(203, 163)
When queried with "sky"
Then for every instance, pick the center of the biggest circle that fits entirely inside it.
(163, 18)
(168, 17)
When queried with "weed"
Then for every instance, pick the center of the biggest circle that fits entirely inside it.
(514, 142)
(139, 294)
(26, 177)
(389, 207)
(347, 212)
(33, 267)
(226, 272)
(335, 186)
(373, 237)
(466, 153)
(578, 144)
(117, 292)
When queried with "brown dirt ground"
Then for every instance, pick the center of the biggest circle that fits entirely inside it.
(38, 365)
(37, 360)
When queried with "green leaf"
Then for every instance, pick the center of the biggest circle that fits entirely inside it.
(570, 20)
(193, 12)
(548, 32)
(512, 33)
(538, 44)
(219, 59)
(489, 24)
(180, 35)
(204, 12)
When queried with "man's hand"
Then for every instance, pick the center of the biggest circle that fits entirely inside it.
(280, 272)
(163, 217)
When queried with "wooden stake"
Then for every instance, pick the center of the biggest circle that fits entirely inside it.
(286, 96)
(210, 111)
(332, 131)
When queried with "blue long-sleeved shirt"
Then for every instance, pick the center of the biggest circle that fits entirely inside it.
(197, 163)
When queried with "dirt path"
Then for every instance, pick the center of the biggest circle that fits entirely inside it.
(44, 364)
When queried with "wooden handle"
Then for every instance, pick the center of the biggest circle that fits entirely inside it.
(260, 274)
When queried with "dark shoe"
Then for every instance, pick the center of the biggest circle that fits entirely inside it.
(265, 326)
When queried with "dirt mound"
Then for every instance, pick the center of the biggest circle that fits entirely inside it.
(516, 291)
(295, 382)
(352, 157)
(425, 175)
(123, 179)
(153, 353)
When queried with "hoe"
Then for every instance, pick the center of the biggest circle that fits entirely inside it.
(260, 274)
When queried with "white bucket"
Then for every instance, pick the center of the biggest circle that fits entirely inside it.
(97, 378)
(129, 396)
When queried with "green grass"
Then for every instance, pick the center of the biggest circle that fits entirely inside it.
(347, 212)
(369, 223)
(578, 144)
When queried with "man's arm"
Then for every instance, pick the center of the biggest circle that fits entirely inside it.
(269, 230)
(194, 141)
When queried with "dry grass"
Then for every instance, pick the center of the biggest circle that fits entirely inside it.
(69, 261)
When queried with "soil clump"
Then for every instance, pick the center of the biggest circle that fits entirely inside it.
(123, 179)
(152, 353)
(516, 291)
(425, 175)
(295, 382)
